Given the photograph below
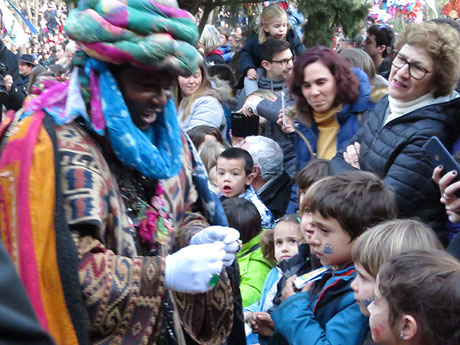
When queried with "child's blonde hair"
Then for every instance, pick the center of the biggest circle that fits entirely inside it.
(209, 151)
(387, 239)
(267, 242)
(270, 15)
(265, 94)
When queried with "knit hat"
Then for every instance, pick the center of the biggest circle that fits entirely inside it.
(142, 33)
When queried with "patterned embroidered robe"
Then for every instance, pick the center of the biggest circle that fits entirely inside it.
(40, 200)
(123, 291)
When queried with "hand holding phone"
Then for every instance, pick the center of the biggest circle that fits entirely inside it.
(439, 155)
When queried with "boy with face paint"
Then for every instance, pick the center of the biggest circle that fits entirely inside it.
(342, 207)
(376, 246)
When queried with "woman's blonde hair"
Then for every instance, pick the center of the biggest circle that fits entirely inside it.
(209, 151)
(359, 58)
(221, 90)
(383, 241)
(270, 15)
(442, 43)
(210, 39)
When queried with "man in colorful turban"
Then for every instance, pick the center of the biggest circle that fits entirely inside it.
(97, 185)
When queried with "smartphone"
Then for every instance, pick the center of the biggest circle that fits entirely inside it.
(283, 106)
(244, 126)
(439, 155)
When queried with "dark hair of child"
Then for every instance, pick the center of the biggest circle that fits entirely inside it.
(198, 133)
(223, 72)
(243, 216)
(267, 242)
(315, 170)
(424, 284)
(356, 199)
(239, 153)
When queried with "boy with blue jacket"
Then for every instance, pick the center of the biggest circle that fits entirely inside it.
(325, 312)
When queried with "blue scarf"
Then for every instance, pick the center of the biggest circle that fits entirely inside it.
(155, 153)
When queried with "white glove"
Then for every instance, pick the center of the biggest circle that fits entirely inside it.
(191, 268)
(229, 236)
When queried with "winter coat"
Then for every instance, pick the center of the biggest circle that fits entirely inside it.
(272, 279)
(276, 193)
(394, 152)
(208, 109)
(250, 57)
(253, 270)
(215, 58)
(333, 317)
(17, 94)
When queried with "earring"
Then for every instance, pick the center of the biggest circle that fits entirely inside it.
(401, 336)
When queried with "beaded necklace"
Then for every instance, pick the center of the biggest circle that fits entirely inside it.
(145, 206)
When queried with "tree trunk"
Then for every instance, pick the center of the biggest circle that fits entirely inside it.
(206, 12)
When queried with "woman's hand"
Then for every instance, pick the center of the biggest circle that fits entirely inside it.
(288, 127)
(448, 189)
(351, 155)
(252, 74)
(262, 323)
(250, 105)
(236, 141)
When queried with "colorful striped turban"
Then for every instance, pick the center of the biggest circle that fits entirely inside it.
(142, 33)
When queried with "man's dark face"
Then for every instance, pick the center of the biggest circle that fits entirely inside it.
(145, 93)
(24, 69)
(370, 46)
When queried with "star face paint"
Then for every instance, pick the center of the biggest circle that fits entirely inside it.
(366, 302)
(328, 249)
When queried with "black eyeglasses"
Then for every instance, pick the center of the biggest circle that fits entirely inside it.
(284, 62)
(415, 71)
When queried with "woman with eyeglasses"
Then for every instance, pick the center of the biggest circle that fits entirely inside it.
(421, 103)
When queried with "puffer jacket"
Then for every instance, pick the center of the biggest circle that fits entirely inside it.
(253, 270)
(250, 57)
(333, 317)
(394, 152)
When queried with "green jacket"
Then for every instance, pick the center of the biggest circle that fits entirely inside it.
(253, 270)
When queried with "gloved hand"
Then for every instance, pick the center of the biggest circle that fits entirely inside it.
(229, 236)
(191, 268)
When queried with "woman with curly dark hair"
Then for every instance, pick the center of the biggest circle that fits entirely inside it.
(330, 96)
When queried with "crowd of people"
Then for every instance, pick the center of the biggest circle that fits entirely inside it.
(135, 212)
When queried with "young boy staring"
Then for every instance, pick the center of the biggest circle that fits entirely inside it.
(234, 178)
(325, 312)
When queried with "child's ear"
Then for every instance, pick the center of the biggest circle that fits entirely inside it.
(408, 327)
